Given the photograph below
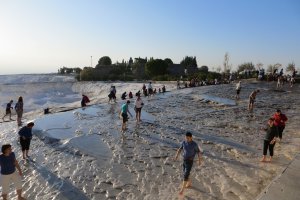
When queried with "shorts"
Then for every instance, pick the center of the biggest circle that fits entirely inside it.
(251, 101)
(8, 111)
(25, 144)
(7, 179)
(125, 117)
(187, 167)
(238, 91)
(138, 110)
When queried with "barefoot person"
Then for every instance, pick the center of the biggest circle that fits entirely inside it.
(138, 104)
(19, 110)
(238, 90)
(25, 134)
(252, 100)
(9, 174)
(8, 110)
(190, 149)
(279, 122)
(123, 113)
(269, 140)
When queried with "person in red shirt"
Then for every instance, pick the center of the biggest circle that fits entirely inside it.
(84, 100)
(279, 122)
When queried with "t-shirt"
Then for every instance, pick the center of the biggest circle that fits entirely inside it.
(189, 150)
(280, 119)
(8, 106)
(25, 132)
(271, 132)
(7, 164)
(238, 86)
(124, 108)
(138, 103)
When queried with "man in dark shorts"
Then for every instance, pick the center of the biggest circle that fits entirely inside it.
(190, 149)
(252, 100)
(123, 112)
(25, 134)
(8, 110)
(279, 122)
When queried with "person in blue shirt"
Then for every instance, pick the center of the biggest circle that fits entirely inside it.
(123, 113)
(25, 134)
(8, 164)
(8, 110)
(190, 149)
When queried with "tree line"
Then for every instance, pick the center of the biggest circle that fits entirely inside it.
(161, 69)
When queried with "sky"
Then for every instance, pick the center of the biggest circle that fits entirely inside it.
(42, 36)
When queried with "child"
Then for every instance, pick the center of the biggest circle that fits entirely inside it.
(9, 174)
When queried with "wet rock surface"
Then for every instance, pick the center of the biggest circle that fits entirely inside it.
(138, 164)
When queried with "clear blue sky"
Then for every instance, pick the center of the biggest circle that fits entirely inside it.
(41, 36)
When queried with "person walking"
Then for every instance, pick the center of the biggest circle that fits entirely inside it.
(19, 110)
(84, 100)
(190, 149)
(123, 112)
(238, 90)
(280, 120)
(269, 140)
(252, 100)
(8, 164)
(25, 134)
(150, 89)
(8, 110)
(138, 104)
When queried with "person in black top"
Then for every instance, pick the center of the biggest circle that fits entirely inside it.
(123, 96)
(25, 134)
(8, 110)
(84, 100)
(269, 140)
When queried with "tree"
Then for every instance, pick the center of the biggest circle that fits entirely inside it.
(156, 67)
(271, 68)
(189, 61)
(246, 66)
(290, 67)
(203, 69)
(169, 61)
(104, 61)
(87, 74)
(259, 65)
(77, 70)
(226, 65)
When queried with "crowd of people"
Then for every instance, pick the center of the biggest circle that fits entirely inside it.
(9, 164)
